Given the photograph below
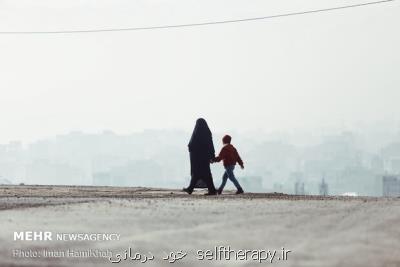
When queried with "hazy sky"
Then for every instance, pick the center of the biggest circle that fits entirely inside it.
(294, 72)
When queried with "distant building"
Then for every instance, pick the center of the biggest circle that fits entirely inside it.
(395, 165)
(299, 188)
(377, 164)
(391, 186)
(323, 188)
(391, 156)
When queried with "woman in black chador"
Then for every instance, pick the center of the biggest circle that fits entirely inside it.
(201, 150)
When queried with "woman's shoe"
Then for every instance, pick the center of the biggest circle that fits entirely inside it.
(187, 190)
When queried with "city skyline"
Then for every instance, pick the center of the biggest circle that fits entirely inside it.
(302, 72)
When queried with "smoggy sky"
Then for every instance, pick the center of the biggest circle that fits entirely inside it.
(288, 73)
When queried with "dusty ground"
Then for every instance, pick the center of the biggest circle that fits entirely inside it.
(334, 231)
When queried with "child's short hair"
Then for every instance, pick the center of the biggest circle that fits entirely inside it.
(227, 139)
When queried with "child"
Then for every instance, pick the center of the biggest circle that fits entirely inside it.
(229, 156)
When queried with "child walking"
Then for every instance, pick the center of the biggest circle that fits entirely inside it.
(230, 157)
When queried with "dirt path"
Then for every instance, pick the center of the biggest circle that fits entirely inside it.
(318, 231)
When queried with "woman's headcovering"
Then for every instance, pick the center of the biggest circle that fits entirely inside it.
(201, 139)
(201, 127)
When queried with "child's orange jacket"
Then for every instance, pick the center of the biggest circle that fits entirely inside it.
(229, 156)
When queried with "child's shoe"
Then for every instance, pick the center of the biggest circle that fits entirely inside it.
(239, 191)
